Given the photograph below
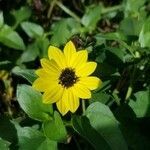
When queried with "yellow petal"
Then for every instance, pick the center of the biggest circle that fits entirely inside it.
(62, 107)
(42, 73)
(40, 84)
(80, 58)
(86, 69)
(72, 101)
(56, 54)
(91, 82)
(81, 91)
(50, 65)
(69, 51)
(53, 94)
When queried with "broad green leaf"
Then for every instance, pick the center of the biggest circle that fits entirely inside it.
(1, 19)
(132, 7)
(32, 30)
(31, 53)
(55, 129)
(37, 48)
(104, 122)
(31, 102)
(63, 30)
(4, 145)
(100, 97)
(91, 17)
(21, 14)
(119, 52)
(28, 74)
(144, 37)
(110, 36)
(131, 26)
(11, 38)
(32, 139)
(84, 128)
(141, 104)
(43, 44)
(47, 144)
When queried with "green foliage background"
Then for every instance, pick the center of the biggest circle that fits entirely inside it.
(116, 35)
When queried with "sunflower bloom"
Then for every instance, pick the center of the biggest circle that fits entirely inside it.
(64, 77)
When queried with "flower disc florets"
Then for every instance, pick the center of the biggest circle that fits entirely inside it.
(68, 77)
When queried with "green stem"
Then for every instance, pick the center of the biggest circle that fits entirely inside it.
(115, 96)
(130, 88)
(110, 9)
(129, 92)
(51, 8)
(68, 11)
(47, 34)
(68, 123)
(127, 47)
(83, 106)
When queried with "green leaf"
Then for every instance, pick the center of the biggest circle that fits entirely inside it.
(37, 48)
(32, 30)
(132, 7)
(11, 38)
(4, 145)
(91, 17)
(48, 145)
(141, 104)
(31, 102)
(103, 121)
(28, 74)
(144, 37)
(110, 36)
(31, 53)
(56, 125)
(63, 30)
(100, 97)
(1, 19)
(43, 44)
(32, 139)
(84, 128)
(22, 14)
(131, 26)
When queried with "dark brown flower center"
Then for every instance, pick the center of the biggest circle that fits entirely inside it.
(68, 77)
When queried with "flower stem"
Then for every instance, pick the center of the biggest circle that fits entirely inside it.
(127, 47)
(110, 9)
(130, 88)
(129, 92)
(51, 8)
(83, 106)
(68, 11)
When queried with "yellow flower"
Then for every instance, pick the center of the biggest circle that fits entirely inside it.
(64, 77)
